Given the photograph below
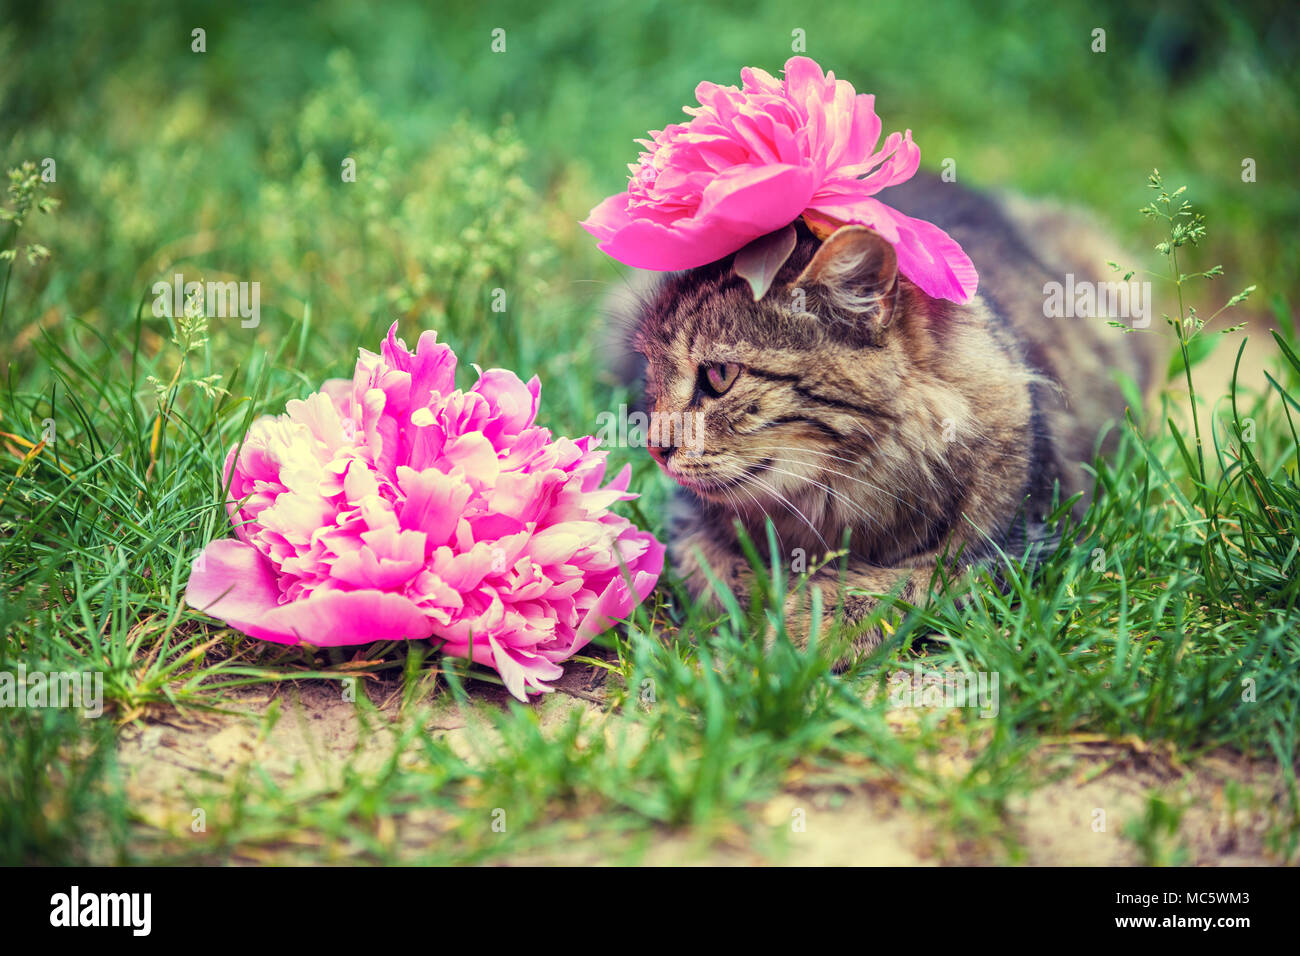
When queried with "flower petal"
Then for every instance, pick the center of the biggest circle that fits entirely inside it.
(231, 581)
(754, 201)
(330, 618)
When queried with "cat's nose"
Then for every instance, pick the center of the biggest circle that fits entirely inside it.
(661, 453)
(662, 437)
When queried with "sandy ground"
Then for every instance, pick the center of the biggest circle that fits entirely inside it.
(1087, 792)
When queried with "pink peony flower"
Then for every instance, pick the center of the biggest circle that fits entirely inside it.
(395, 506)
(752, 160)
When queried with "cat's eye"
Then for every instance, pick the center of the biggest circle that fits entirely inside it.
(718, 377)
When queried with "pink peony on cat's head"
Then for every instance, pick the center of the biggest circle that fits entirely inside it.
(752, 160)
(395, 506)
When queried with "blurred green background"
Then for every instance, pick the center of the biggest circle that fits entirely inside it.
(473, 167)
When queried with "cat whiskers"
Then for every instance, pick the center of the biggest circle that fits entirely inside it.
(927, 519)
(827, 488)
(862, 481)
(749, 477)
(759, 505)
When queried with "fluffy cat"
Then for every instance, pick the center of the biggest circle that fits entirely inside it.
(848, 406)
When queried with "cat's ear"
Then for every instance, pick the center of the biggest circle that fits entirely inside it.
(853, 279)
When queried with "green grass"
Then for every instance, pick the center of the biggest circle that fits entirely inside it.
(1168, 618)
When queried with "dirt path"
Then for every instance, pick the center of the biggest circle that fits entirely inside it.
(1079, 814)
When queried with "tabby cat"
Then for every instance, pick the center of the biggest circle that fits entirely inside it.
(854, 410)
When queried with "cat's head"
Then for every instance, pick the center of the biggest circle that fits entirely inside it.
(823, 391)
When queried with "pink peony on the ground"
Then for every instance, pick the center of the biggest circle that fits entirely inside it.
(752, 160)
(395, 506)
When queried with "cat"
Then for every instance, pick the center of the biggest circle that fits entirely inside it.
(855, 411)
